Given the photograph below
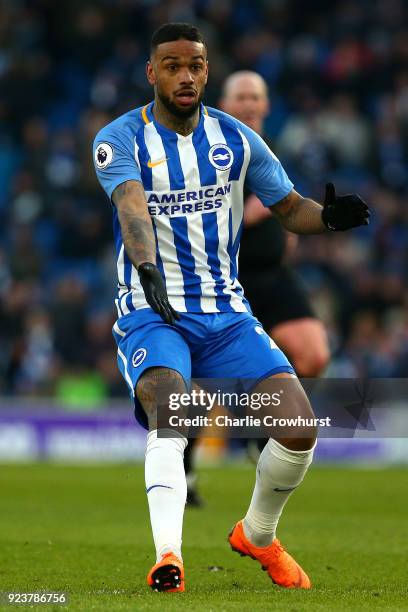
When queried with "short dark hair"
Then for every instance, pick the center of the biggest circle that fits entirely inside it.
(169, 32)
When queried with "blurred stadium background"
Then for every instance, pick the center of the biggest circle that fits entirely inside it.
(338, 79)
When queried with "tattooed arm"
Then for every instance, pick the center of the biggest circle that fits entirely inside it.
(338, 213)
(299, 215)
(137, 230)
(140, 245)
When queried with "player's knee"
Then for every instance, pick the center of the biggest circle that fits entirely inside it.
(302, 440)
(302, 437)
(156, 385)
(298, 430)
(303, 433)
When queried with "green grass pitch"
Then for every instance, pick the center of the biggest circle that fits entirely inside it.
(85, 530)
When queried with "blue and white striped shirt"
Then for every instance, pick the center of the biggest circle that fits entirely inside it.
(194, 189)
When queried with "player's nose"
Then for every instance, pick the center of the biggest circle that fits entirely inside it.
(186, 77)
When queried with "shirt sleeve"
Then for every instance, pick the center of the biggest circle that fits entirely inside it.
(114, 162)
(265, 176)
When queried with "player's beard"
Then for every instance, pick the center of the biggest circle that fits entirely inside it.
(176, 111)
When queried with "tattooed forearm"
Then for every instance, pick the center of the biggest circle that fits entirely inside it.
(138, 237)
(136, 225)
(299, 215)
(285, 210)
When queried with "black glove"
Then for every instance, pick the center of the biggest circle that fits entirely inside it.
(341, 213)
(155, 292)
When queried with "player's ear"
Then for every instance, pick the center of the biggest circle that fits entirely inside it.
(151, 77)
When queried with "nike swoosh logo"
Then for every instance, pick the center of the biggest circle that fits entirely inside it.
(158, 485)
(151, 164)
(290, 489)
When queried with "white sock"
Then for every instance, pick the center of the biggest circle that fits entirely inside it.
(166, 490)
(279, 471)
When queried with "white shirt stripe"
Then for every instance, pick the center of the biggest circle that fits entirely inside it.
(171, 266)
(160, 171)
(137, 153)
(189, 165)
(123, 290)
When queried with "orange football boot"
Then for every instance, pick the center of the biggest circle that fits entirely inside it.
(167, 575)
(281, 567)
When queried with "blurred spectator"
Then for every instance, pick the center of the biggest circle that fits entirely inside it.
(68, 313)
(345, 131)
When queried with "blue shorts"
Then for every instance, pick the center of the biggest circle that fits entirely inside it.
(215, 345)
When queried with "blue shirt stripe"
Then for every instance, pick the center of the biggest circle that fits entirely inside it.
(127, 271)
(210, 227)
(234, 140)
(128, 280)
(128, 268)
(208, 174)
(117, 233)
(146, 172)
(159, 261)
(192, 282)
(230, 249)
